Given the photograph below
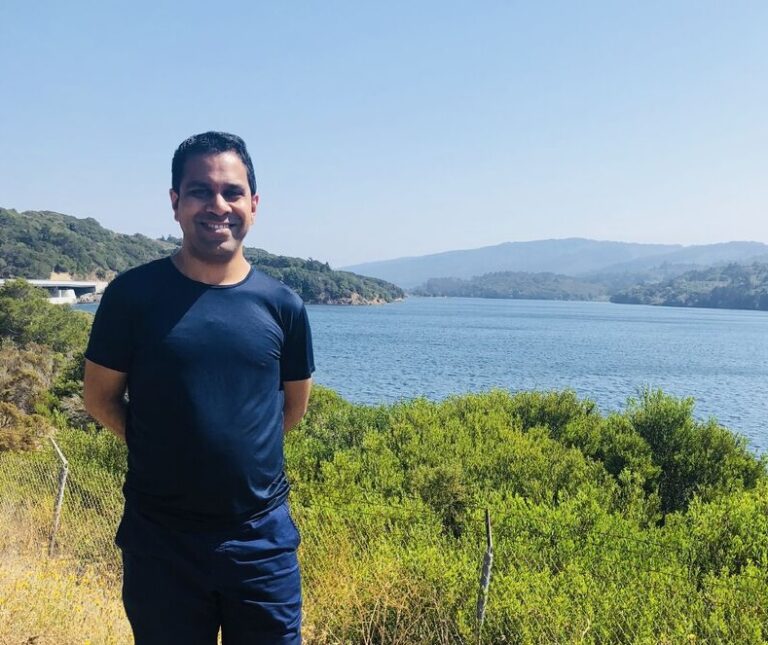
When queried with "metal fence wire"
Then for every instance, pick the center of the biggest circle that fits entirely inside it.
(379, 571)
(54, 505)
(28, 489)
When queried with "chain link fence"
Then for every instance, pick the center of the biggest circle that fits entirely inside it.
(51, 505)
(379, 571)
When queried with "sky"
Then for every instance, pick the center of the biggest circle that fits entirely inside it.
(389, 129)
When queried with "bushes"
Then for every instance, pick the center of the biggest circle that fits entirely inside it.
(390, 503)
(694, 458)
(27, 317)
(41, 356)
(19, 431)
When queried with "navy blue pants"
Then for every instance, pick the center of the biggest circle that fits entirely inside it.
(180, 587)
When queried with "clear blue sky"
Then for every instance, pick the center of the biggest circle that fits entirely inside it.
(398, 128)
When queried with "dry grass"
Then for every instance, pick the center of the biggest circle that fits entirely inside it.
(52, 601)
(360, 590)
(357, 588)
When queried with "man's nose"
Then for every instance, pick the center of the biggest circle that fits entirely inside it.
(218, 205)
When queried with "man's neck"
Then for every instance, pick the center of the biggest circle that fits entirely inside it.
(230, 272)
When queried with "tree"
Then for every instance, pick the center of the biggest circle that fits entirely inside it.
(27, 317)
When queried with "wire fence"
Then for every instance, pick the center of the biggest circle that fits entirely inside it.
(382, 571)
(50, 505)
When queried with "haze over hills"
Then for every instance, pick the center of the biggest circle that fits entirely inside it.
(571, 256)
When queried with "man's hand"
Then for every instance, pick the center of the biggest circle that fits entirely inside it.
(296, 400)
(103, 392)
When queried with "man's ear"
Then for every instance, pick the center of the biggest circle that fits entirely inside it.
(254, 204)
(174, 202)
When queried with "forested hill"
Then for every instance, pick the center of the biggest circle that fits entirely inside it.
(35, 244)
(733, 286)
(515, 284)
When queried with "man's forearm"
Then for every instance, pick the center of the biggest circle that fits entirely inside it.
(104, 396)
(295, 403)
(112, 415)
(292, 416)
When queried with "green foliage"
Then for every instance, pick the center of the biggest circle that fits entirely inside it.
(27, 317)
(733, 286)
(35, 244)
(390, 503)
(26, 374)
(547, 447)
(41, 355)
(695, 459)
(316, 282)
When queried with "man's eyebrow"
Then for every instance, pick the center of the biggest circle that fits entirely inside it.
(196, 183)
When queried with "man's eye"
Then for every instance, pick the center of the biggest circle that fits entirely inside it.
(233, 195)
(197, 192)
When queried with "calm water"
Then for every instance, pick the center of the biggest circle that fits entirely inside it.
(436, 347)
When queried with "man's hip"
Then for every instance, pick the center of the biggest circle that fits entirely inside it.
(180, 587)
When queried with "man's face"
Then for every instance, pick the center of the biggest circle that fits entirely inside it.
(214, 206)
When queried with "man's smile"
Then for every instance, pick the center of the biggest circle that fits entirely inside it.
(218, 226)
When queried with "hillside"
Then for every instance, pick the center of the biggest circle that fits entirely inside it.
(34, 244)
(509, 284)
(732, 286)
(573, 257)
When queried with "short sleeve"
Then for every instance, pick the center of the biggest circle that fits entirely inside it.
(297, 361)
(111, 341)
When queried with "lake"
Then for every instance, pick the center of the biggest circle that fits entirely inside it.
(436, 347)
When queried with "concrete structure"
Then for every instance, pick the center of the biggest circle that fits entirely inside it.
(67, 292)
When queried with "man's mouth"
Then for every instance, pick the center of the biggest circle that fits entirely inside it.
(217, 226)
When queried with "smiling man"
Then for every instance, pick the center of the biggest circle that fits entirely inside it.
(216, 359)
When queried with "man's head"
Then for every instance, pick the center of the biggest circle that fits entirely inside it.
(213, 196)
(210, 143)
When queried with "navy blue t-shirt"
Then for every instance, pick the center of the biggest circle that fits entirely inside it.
(205, 367)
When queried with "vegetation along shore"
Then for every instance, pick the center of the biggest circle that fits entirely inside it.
(36, 244)
(39, 244)
(729, 286)
(640, 526)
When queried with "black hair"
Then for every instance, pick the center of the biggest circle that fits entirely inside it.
(209, 143)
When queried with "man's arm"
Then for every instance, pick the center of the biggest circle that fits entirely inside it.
(296, 399)
(104, 392)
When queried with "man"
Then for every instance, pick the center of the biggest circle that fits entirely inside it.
(216, 359)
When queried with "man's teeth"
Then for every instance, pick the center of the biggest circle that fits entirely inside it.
(216, 227)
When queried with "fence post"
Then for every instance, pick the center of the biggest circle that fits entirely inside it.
(485, 576)
(63, 472)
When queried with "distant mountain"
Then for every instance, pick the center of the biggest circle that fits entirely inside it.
(572, 256)
(733, 286)
(35, 244)
(689, 257)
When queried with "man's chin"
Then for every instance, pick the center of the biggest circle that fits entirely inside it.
(216, 254)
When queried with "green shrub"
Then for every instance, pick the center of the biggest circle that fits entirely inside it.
(694, 458)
